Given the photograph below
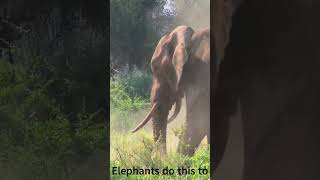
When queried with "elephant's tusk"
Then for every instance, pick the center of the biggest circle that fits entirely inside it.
(176, 110)
(146, 119)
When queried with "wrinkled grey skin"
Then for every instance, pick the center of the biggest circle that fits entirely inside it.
(181, 68)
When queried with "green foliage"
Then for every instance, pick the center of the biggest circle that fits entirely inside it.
(53, 95)
(132, 36)
(137, 83)
(10, 75)
(90, 134)
(129, 94)
(37, 138)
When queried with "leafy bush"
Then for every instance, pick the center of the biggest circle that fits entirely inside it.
(129, 96)
(38, 140)
(91, 132)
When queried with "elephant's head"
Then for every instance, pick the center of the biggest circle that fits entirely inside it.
(167, 65)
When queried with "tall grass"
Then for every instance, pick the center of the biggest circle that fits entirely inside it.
(139, 150)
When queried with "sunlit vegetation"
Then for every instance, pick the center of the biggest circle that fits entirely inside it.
(129, 102)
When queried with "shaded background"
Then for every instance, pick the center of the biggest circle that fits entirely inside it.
(53, 77)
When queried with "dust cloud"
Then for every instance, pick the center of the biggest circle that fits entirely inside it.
(172, 139)
(193, 13)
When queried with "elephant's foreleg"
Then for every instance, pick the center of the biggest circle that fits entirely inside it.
(197, 120)
(191, 137)
(195, 130)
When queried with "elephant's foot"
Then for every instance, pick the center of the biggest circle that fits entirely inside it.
(163, 150)
(184, 148)
(186, 151)
(159, 153)
(188, 145)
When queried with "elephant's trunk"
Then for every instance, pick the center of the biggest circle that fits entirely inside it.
(160, 132)
(159, 116)
(176, 109)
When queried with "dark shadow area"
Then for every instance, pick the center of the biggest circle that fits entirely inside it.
(231, 166)
(53, 90)
(271, 66)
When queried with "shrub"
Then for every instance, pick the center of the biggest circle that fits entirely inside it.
(38, 140)
(129, 95)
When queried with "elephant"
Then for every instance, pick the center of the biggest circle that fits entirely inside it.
(181, 68)
(270, 70)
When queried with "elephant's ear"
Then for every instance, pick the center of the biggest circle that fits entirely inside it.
(179, 59)
(180, 41)
(160, 53)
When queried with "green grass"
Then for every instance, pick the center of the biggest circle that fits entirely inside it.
(138, 150)
(129, 103)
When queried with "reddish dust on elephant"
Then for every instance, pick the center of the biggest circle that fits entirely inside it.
(181, 68)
